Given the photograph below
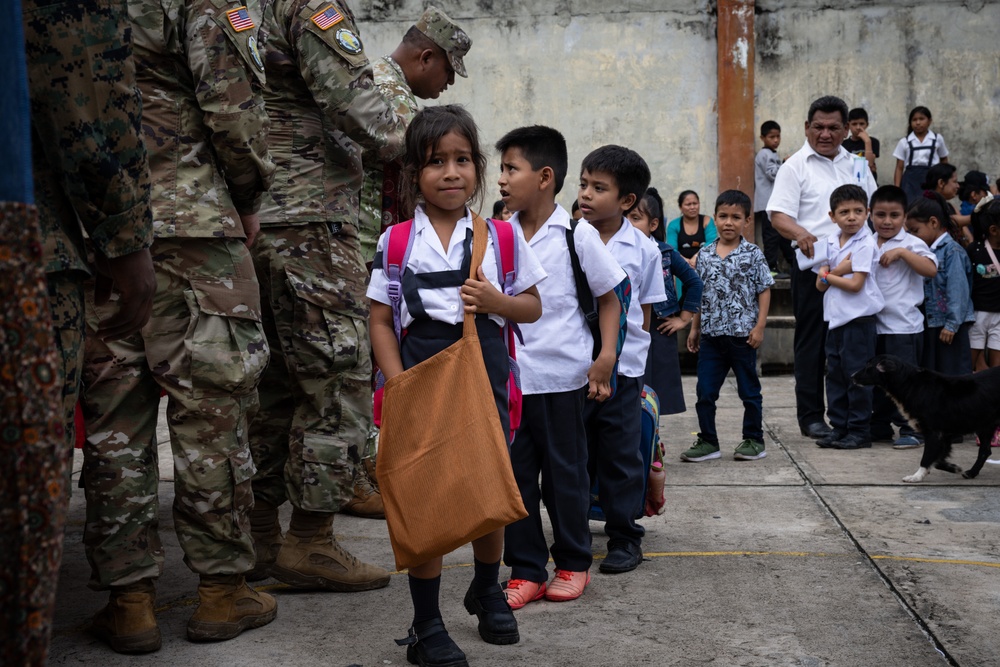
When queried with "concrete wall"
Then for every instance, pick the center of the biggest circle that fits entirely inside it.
(642, 73)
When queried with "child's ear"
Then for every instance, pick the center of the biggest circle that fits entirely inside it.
(627, 202)
(546, 177)
(654, 224)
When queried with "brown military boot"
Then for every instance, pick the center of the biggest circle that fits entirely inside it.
(127, 623)
(227, 607)
(311, 558)
(367, 501)
(267, 540)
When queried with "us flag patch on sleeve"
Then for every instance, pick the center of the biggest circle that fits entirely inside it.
(326, 18)
(240, 19)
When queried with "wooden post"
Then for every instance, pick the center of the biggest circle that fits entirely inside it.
(736, 49)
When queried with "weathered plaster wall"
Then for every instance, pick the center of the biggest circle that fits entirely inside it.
(642, 73)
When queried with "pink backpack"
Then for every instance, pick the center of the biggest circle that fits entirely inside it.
(395, 256)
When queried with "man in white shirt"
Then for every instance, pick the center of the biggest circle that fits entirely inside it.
(799, 210)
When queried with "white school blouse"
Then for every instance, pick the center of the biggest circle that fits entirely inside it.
(901, 286)
(428, 255)
(557, 349)
(841, 306)
(920, 159)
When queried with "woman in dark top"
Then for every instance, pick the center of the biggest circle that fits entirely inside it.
(691, 231)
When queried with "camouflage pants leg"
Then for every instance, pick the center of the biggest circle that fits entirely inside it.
(316, 406)
(66, 305)
(204, 346)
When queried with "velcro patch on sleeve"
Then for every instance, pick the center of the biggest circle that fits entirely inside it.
(327, 18)
(240, 19)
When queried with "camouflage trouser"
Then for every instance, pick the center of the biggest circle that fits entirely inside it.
(315, 397)
(205, 347)
(66, 305)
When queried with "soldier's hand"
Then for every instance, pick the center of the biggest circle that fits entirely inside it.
(251, 225)
(132, 277)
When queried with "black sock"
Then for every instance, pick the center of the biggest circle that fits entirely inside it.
(486, 576)
(425, 593)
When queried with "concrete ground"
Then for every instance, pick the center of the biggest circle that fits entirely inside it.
(809, 557)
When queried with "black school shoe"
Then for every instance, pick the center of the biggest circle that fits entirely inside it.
(816, 430)
(445, 654)
(852, 442)
(623, 556)
(495, 627)
(826, 442)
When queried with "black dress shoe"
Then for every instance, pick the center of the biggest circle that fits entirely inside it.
(816, 430)
(623, 556)
(443, 653)
(826, 442)
(852, 442)
(495, 627)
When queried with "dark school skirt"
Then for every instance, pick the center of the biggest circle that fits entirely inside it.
(425, 338)
(663, 371)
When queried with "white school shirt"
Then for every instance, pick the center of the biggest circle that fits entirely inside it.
(640, 257)
(902, 151)
(841, 306)
(901, 287)
(427, 255)
(804, 183)
(557, 349)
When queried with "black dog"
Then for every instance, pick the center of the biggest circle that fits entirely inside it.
(943, 406)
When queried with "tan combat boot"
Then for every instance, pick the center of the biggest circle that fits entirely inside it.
(227, 607)
(367, 501)
(319, 562)
(267, 541)
(127, 623)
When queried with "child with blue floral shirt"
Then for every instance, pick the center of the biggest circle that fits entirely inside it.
(730, 328)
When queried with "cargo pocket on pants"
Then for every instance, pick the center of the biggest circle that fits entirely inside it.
(228, 349)
(327, 474)
(324, 339)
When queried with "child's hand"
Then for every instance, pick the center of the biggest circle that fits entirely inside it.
(671, 325)
(480, 296)
(756, 337)
(694, 340)
(891, 256)
(599, 378)
(844, 267)
(947, 336)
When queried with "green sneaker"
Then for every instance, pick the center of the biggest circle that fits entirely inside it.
(701, 451)
(750, 450)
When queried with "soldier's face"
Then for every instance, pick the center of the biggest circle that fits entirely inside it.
(436, 74)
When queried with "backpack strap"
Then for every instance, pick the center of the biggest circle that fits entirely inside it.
(506, 251)
(398, 244)
(586, 297)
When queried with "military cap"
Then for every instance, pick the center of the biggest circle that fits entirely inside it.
(441, 30)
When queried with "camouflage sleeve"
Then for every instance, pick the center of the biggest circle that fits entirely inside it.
(228, 73)
(334, 66)
(87, 111)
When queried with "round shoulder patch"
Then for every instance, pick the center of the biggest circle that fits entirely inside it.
(349, 41)
(255, 52)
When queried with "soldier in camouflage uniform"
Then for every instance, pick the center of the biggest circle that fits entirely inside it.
(201, 77)
(423, 65)
(316, 402)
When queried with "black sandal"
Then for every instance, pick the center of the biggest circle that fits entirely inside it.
(443, 655)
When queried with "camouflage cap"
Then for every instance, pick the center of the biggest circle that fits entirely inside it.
(442, 31)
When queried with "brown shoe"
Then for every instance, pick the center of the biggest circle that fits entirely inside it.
(227, 607)
(321, 563)
(367, 501)
(127, 623)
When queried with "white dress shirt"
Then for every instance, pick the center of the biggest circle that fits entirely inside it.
(901, 287)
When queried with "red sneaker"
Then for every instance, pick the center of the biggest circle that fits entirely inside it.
(567, 585)
(521, 591)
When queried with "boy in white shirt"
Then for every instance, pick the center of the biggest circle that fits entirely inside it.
(903, 263)
(557, 373)
(612, 179)
(851, 299)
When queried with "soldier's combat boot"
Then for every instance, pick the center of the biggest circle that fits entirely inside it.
(367, 501)
(127, 623)
(267, 540)
(227, 607)
(311, 558)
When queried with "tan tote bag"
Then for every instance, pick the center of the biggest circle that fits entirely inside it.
(443, 464)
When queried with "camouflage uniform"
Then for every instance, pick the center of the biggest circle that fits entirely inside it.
(90, 164)
(374, 218)
(316, 395)
(201, 76)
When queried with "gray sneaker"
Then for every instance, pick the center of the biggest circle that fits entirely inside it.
(749, 450)
(701, 451)
(906, 442)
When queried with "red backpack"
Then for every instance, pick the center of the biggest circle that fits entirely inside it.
(396, 254)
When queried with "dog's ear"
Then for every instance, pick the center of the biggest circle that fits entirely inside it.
(881, 366)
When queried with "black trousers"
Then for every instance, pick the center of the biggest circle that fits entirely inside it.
(809, 347)
(614, 435)
(775, 245)
(848, 348)
(552, 443)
